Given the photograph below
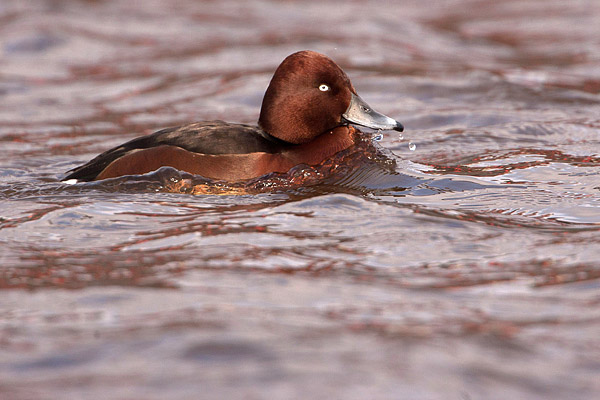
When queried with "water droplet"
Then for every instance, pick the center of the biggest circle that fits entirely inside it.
(412, 146)
(378, 136)
(400, 137)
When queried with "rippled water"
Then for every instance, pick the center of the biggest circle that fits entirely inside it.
(465, 269)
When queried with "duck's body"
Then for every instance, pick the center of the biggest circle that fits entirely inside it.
(304, 120)
(214, 149)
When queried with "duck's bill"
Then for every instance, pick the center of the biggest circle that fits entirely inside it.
(360, 113)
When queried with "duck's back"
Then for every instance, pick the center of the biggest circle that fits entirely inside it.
(208, 137)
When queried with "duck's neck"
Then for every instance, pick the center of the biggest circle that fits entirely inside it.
(324, 146)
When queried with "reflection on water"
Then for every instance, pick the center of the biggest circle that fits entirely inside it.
(457, 260)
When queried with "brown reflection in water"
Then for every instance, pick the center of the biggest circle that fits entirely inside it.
(32, 216)
(550, 156)
(76, 270)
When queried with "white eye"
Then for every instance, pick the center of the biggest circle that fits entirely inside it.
(323, 87)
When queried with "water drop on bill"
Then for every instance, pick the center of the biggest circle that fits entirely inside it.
(412, 146)
(378, 136)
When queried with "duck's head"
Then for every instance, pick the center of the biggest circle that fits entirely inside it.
(309, 94)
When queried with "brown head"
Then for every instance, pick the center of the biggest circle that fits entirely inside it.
(309, 94)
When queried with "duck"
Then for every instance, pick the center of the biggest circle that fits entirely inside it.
(307, 115)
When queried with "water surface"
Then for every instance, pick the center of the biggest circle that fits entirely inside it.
(467, 268)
